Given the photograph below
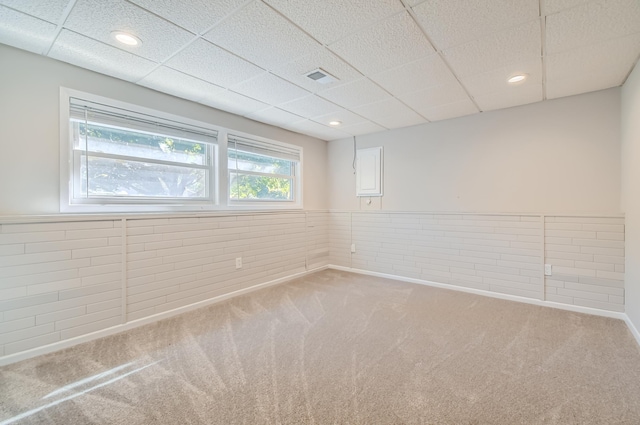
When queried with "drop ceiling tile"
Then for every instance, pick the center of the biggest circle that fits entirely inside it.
(451, 110)
(319, 57)
(591, 23)
(517, 44)
(317, 130)
(389, 43)
(421, 74)
(365, 127)
(356, 93)
(176, 83)
(347, 118)
(555, 6)
(96, 56)
(195, 15)
(310, 106)
(270, 89)
(98, 18)
(198, 59)
(24, 31)
(496, 79)
(262, 36)
(424, 100)
(275, 116)
(390, 113)
(330, 20)
(233, 102)
(50, 10)
(453, 22)
(518, 95)
(591, 68)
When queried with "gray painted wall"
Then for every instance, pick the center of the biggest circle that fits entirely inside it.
(559, 156)
(29, 134)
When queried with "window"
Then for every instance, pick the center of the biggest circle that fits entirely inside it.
(123, 156)
(119, 157)
(262, 171)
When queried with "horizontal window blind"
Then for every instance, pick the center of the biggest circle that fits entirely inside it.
(83, 110)
(264, 148)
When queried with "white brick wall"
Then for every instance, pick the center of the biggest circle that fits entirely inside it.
(60, 280)
(587, 256)
(65, 279)
(340, 238)
(178, 261)
(498, 253)
(493, 253)
(317, 239)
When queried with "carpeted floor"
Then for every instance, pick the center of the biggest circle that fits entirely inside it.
(340, 348)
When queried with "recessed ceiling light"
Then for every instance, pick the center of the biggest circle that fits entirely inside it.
(335, 123)
(126, 38)
(518, 78)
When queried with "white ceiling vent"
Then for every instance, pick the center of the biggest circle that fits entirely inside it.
(321, 76)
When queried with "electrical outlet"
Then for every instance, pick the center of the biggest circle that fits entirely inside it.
(239, 263)
(353, 248)
(547, 269)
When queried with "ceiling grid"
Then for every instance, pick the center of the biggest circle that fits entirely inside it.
(543, 53)
(65, 15)
(397, 62)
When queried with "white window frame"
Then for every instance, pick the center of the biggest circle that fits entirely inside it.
(295, 203)
(219, 175)
(67, 157)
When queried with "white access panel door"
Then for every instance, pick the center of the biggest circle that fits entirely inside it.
(369, 172)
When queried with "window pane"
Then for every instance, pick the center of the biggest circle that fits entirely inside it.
(120, 178)
(260, 163)
(113, 140)
(250, 187)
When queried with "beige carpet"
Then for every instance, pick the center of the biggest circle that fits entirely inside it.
(339, 348)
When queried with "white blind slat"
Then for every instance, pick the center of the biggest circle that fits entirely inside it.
(122, 118)
(264, 148)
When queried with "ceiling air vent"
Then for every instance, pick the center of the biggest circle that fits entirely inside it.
(321, 76)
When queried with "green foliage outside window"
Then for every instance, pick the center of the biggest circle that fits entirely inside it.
(251, 186)
(260, 187)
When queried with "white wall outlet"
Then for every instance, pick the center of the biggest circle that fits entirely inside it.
(239, 263)
(547, 269)
(353, 248)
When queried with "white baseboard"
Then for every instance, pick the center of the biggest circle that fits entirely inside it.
(569, 307)
(575, 308)
(632, 328)
(46, 349)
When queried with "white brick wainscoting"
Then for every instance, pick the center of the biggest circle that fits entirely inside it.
(493, 253)
(66, 280)
(61, 280)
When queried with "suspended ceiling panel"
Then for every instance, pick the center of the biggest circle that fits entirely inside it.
(196, 16)
(331, 20)
(176, 83)
(96, 19)
(394, 41)
(344, 116)
(262, 36)
(24, 31)
(395, 62)
(423, 73)
(96, 56)
(454, 22)
(213, 64)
